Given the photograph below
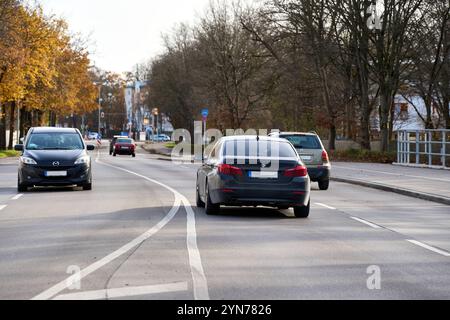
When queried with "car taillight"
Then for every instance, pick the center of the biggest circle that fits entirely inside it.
(228, 170)
(299, 171)
(325, 157)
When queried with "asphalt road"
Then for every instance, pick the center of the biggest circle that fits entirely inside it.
(136, 236)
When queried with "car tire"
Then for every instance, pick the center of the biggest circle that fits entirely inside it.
(324, 185)
(21, 187)
(87, 186)
(200, 203)
(115, 154)
(210, 208)
(134, 155)
(302, 212)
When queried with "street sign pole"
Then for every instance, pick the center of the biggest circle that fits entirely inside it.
(205, 114)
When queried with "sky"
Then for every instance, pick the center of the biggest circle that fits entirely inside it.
(124, 33)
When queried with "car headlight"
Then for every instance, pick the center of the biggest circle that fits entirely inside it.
(27, 160)
(83, 160)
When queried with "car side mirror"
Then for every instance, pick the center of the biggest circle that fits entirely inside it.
(90, 147)
(18, 147)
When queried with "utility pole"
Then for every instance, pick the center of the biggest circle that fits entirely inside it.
(99, 107)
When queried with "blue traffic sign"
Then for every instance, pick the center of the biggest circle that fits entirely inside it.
(205, 113)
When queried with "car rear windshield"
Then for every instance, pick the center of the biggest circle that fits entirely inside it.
(55, 141)
(304, 141)
(253, 148)
(129, 141)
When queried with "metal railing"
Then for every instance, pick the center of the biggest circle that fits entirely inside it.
(425, 148)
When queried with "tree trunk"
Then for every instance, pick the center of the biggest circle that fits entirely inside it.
(447, 113)
(332, 141)
(385, 112)
(429, 121)
(364, 133)
(12, 124)
(2, 127)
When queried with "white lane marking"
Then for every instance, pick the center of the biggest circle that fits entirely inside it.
(2, 207)
(423, 245)
(325, 206)
(124, 292)
(53, 291)
(17, 197)
(391, 173)
(366, 223)
(198, 274)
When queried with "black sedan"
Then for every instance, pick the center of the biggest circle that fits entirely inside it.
(54, 157)
(254, 171)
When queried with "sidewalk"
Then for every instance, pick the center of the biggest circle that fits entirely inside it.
(157, 148)
(428, 184)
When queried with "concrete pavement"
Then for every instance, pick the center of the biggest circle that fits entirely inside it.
(427, 184)
(244, 253)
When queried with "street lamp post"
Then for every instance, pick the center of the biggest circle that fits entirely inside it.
(99, 107)
(155, 112)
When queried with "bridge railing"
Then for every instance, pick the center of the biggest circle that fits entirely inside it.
(424, 148)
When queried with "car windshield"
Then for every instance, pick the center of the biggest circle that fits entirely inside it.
(129, 141)
(55, 141)
(304, 141)
(248, 148)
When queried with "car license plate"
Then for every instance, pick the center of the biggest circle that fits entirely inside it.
(124, 148)
(263, 175)
(56, 174)
(306, 158)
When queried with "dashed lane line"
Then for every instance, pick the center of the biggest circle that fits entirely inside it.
(370, 224)
(325, 206)
(17, 197)
(428, 247)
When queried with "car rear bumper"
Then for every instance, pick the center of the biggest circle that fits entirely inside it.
(319, 173)
(35, 176)
(296, 194)
(124, 152)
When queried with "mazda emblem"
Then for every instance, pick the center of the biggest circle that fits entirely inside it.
(56, 164)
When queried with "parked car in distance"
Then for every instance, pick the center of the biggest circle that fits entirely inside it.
(253, 171)
(113, 143)
(93, 135)
(161, 138)
(54, 157)
(125, 146)
(313, 153)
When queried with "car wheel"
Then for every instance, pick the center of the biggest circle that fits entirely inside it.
(210, 208)
(21, 187)
(115, 154)
(302, 212)
(200, 203)
(87, 187)
(324, 185)
(134, 155)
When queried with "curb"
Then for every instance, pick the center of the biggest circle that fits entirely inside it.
(405, 192)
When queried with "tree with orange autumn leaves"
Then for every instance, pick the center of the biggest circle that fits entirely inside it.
(44, 70)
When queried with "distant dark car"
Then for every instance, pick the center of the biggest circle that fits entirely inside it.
(125, 146)
(254, 171)
(54, 157)
(113, 143)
